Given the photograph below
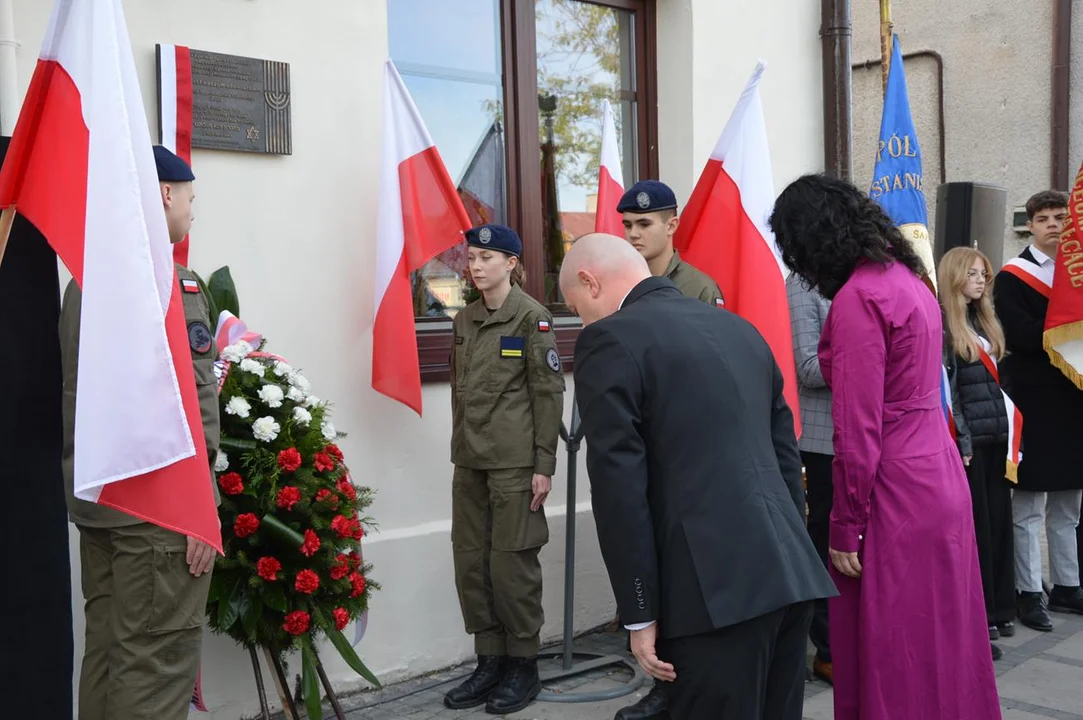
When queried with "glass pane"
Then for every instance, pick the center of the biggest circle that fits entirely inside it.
(451, 67)
(585, 55)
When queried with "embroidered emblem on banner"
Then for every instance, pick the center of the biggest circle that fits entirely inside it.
(199, 337)
(512, 347)
(552, 360)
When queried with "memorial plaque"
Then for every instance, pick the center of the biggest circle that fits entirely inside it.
(238, 103)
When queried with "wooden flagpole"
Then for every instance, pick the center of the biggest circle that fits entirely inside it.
(7, 217)
(887, 30)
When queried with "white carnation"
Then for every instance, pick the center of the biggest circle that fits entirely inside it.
(272, 395)
(300, 382)
(221, 463)
(313, 401)
(295, 395)
(282, 369)
(328, 430)
(251, 366)
(302, 416)
(266, 429)
(238, 406)
(237, 351)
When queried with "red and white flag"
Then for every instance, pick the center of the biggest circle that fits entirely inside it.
(81, 169)
(1063, 336)
(724, 231)
(610, 179)
(175, 113)
(420, 215)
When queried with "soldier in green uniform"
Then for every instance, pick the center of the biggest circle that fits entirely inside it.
(144, 587)
(507, 395)
(650, 221)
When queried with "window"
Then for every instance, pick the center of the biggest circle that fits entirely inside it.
(512, 91)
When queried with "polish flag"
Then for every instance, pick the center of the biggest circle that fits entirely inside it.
(81, 169)
(420, 215)
(175, 112)
(724, 231)
(610, 179)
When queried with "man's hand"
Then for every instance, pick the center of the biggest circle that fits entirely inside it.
(643, 649)
(846, 563)
(200, 557)
(541, 485)
(967, 459)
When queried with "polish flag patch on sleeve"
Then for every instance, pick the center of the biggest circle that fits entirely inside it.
(543, 326)
(719, 302)
(190, 286)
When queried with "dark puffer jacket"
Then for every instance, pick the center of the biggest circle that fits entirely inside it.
(977, 403)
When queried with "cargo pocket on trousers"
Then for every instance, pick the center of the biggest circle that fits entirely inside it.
(178, 600)
(515, 527)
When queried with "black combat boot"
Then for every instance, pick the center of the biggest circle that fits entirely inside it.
(479, 686)
(653, 706)
(1032, 612)
(1066, 599)
(518, 689)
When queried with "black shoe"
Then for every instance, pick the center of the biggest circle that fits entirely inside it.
(994, 633)
(518, 689)
(997, 652)
(481, 683)
(1066, 599)
(1032, 612)
(1006, 629)
(653, 706)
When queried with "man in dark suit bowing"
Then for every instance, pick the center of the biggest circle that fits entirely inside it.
(696, 486)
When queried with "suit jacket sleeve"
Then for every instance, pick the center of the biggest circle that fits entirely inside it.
(805, 324)
(785, 442)
(1022, 329)
(609, 390)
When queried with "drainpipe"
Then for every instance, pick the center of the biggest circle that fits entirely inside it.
(9, 78)
(1058, 122)
(838, 88)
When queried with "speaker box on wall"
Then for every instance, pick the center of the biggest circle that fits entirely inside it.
(35, 604)
(970, 214)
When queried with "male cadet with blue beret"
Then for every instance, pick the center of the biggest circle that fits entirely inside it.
(144, 587)
(650, 221)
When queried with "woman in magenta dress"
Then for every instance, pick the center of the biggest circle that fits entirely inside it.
(908, 634)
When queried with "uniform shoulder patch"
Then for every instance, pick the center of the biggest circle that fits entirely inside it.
(199, 337)
(544, 326)
(719, 302)
(552, 359)
(189, 286)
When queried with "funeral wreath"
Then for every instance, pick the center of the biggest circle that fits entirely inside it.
(292, 517)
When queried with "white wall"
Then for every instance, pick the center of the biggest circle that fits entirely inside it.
(298, 234)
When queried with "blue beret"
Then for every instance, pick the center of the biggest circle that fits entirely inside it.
(495, 237)
(170, 167)
(647, 196)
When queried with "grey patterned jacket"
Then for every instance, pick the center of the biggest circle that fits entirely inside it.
(808, 311)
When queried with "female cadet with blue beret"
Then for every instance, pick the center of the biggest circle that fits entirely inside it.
(507, 392)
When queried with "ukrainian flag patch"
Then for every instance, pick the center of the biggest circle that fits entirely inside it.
(511, 347)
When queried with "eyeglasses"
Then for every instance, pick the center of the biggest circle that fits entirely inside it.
(975, 274)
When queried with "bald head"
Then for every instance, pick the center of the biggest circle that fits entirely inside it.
(598, 272)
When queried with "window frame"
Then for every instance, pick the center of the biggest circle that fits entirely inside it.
(521, 123)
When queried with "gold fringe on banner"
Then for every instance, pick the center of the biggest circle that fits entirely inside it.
(1054, 338)
(1011, 471)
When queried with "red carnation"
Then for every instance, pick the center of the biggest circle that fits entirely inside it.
(341, 568)
(356, 532)
(358, 582)
(355, 561)
(307, 582)
(328, 497)
(245, 525)
(288, 497)
(268, 568)
(323, 462)
(297, 622)
(341, 525)
(342, 618)
(311, 544)
(346, 488)
(289, 460)
(333, 451)
(231, 484)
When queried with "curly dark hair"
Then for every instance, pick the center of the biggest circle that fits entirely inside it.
(824, 226)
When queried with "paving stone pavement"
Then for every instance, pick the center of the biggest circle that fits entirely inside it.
(1039, 677)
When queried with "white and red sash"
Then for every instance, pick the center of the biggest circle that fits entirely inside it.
(1039, 278)
(1015, 418)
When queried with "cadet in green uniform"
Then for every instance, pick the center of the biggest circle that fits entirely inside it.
(144, 587)
(650, 221)
(507, 396)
